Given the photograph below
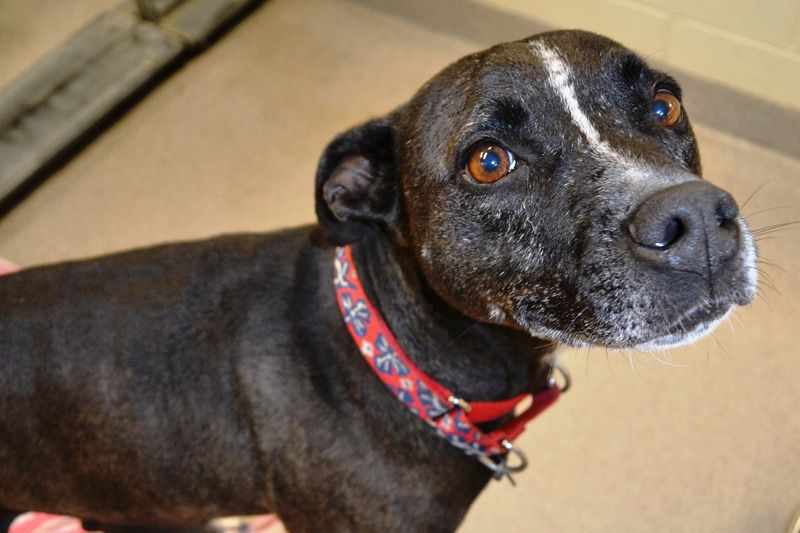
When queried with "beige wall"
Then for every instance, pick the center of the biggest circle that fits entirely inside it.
(752, 46)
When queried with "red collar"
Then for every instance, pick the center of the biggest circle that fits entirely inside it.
(453, 418)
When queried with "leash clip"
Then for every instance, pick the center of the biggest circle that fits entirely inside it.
(501, 467)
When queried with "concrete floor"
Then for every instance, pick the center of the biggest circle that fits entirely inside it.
(702, 439)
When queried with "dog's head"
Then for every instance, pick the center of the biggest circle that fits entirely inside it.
(551, 184)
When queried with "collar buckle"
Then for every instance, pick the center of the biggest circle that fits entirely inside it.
(456, 402)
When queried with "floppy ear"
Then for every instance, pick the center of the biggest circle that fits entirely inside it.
(357, 189)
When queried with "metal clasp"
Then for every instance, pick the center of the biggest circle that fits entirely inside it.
(460, 402)
(501, 466)
(552, 381)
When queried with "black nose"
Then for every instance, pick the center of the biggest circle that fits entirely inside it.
(689, 227)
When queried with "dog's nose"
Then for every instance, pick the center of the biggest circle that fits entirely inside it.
(690, 227)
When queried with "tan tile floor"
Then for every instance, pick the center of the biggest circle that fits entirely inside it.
(702, 439)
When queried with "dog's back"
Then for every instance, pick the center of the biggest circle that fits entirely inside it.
(93, 349)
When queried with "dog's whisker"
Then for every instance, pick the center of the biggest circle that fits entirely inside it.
(752, 194)
(721, 347)
(586, 370)
(767, 210)
(666, 359)
(772, 233)
(763, 260)
(466, 330)
(631, 357)
(730, 320)
(769, 285)
(766, 278)
(769, 233)
(763, 296)
(764, 275)
(651, 54)
(773, 228)
(680, 323)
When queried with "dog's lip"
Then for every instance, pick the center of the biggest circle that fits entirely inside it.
(696, 323)
(705, 312)
(691, 325)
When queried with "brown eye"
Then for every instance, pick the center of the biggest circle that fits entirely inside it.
(489, 162)
(666, 108)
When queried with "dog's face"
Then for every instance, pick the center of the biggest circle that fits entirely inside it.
(550, 184)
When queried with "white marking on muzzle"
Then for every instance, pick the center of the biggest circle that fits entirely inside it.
(749, 256)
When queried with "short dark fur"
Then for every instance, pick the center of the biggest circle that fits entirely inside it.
(167, 386)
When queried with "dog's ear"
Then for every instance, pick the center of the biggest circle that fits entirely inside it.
(357, 183)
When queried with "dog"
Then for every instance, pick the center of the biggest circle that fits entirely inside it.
(545, 191)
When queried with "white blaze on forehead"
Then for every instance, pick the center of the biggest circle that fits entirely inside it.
(560, 78)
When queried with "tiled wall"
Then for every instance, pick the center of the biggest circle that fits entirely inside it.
(752, 46)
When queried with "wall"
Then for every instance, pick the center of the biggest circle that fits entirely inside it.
(751, 46)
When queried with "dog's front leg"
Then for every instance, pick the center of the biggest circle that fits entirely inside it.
(7, 516)
(91, 525)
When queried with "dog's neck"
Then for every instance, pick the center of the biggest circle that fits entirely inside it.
(477, 361)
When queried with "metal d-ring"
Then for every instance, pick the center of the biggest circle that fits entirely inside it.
(500, 466)
(564, 375)
(523, 460)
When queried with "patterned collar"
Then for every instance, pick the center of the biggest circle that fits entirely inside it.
(453, 418)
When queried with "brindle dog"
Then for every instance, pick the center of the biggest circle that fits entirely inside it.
(545, 190)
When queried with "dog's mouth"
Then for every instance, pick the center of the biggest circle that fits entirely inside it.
(688, 327)
(691, 326)
(652, 311)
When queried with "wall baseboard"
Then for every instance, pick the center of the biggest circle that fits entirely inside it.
(65, 98)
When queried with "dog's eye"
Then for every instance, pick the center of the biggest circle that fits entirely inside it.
(666, 108)
(488, 163)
